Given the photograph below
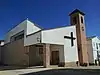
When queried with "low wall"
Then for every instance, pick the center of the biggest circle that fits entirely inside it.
(14, 53)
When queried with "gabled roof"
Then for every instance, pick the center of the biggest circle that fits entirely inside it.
(76, 11)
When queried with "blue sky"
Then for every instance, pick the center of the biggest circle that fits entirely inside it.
(48, 13)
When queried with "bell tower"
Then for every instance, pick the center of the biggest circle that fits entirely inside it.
(77, 18)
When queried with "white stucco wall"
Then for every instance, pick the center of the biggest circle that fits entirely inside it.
(94, 55)
(32, 39)
(15, 30)
(94, 41)
(56, 36)
(31, 28)
(70, 52)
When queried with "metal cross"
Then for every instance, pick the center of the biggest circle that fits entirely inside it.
(71, 38)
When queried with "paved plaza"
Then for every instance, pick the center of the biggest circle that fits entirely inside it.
(91, 70)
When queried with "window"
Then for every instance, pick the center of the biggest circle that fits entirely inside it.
(17, 36)
(81, 19)
(41, 50)
(82, 28)
(97, 54)
(97, 45)
(74, 20)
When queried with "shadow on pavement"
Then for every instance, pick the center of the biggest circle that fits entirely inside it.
(3, 68)
(67, 72)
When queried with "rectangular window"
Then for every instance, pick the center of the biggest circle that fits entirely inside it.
(97, 45)
(82, 28)
(40, 50)
(17, 36)
(74, 20)
(81, 19)
(93, 44)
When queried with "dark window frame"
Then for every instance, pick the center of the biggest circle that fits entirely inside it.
(17, 36)
(81, 19)
(97, 45)
(75, 20)
(82, 28)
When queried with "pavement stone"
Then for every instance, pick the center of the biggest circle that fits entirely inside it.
(38, 69)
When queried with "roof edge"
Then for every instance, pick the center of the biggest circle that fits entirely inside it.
(76, 11)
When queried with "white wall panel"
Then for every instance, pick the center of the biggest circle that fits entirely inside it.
(32, 39)
(15, 30)
(70, 52)
(56, 36)
(31, 28)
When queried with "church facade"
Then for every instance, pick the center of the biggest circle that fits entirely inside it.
(30, 45)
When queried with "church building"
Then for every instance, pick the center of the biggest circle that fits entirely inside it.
(27, 44)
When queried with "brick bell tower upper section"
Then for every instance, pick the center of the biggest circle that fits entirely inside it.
(77, 18)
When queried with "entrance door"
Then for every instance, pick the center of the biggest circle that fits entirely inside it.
(55, 58)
